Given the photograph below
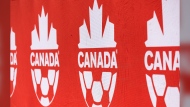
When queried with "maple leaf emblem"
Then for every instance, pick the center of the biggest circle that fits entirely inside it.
(170, 34)
(13, 44)
(95, 39)
(44, 41)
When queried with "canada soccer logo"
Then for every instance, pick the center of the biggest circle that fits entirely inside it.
(162, 57)
(97, 60)
(13, 63)
(44, 61)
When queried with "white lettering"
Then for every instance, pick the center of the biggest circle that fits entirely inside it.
(161, 62)
(50, 59)
(97, 60)
(148, 67)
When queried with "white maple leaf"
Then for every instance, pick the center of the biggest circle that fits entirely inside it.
(44, 40)
(13, 44)
(95, 39)
(170, 35)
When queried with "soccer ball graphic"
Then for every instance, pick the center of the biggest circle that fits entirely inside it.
(13, 75)
(95, 92)
(45, 87)
(158, 90)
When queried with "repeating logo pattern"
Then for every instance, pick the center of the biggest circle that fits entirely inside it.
(164, 61)
(98, 61)
(99, 91)
(44, 61)
(13, 63)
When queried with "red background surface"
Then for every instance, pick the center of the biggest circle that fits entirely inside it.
(4, 53)
(130, 22)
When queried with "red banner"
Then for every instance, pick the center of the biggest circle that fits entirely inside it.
(96, 53)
